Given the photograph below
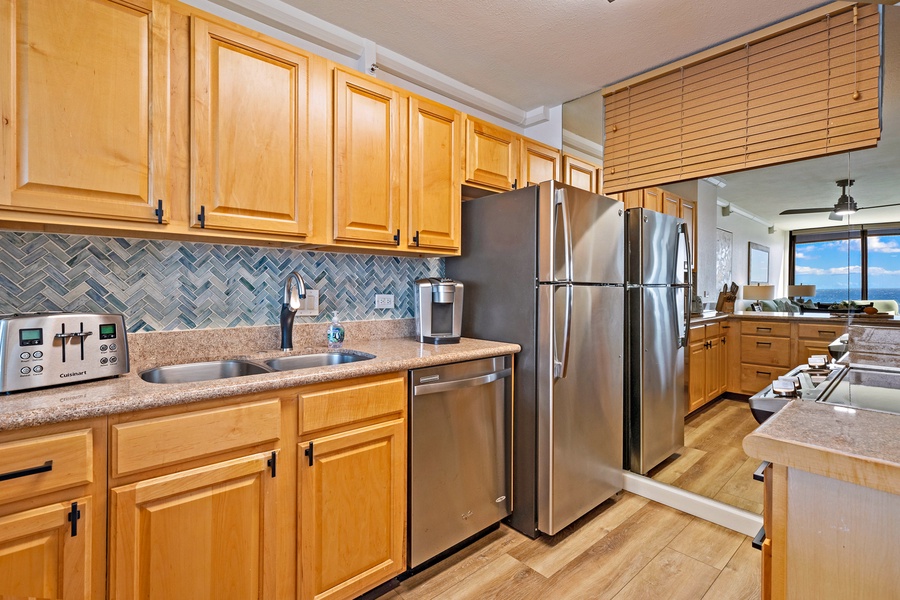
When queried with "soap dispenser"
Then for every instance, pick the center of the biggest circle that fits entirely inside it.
(335, 333)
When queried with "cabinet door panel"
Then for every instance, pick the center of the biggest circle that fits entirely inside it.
(580, 174)
(204, 533)
(713, 366)
(86, 85)
(39, 556)
(367, 165)
(491, 156)
(435, 175)
(352, 511)
(250, 128)
(697, 374)
(538, 163)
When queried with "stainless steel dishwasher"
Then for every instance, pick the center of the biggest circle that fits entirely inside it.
(459, 461)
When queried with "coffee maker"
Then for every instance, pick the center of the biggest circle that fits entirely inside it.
(438, 310)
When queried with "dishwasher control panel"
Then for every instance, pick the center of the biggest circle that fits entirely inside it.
(44, 349)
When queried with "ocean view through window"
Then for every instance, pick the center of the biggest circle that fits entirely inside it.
(858, 264)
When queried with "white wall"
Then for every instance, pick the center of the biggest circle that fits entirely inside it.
(745, 231)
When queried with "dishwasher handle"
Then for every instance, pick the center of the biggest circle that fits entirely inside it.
(456, 384)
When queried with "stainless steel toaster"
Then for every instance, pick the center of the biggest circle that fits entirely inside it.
(53, 348)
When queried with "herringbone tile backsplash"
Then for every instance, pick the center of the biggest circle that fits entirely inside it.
(165, 285)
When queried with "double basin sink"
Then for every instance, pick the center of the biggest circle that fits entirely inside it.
(225, 369)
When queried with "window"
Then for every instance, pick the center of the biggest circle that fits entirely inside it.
(858, 264)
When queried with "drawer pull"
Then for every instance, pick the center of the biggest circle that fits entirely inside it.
(309, 453)
(763, 343)
(766, 373)
(760, 539)
(760, 473)
(758, 329)
(273, 462)
(47, 466)
(821, 332)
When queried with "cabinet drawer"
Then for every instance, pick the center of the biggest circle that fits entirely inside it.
(824, 332)
(326, 408)
(765, 350)
(712, 329)
(766, 328)
(697, 334)
(162, 441)
(45, 464)
(756, 377)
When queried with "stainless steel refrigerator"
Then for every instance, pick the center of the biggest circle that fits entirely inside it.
(657, 311)
(543, 267)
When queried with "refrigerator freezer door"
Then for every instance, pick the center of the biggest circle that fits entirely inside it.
(581, 236)
(579, 414)
(657, 376)
(656, 254)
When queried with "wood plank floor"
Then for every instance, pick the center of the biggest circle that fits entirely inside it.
(712, 462)
(627, 549)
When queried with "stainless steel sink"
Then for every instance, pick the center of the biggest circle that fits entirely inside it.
(203, 371)
(308, 361)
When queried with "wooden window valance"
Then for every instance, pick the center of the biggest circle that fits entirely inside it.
(809, 91)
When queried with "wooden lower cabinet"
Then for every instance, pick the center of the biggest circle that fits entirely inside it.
(206, 533)
(706, 372)
(352, 504)
(43, 556)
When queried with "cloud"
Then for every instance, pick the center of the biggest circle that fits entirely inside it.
(855, 269)
(800, 255)
(876, 245)
(882, 271)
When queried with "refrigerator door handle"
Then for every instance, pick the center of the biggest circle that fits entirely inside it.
(560, 368)
(689, 269)
(562, 205)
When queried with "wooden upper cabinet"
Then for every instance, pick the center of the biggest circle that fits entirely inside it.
(251, 133)
(538, 162)
(84, 92)
(653, 199)
(435, 175)
(633, 199)
(492, 155)
(581, 174)
(367, 160)
(670, 204)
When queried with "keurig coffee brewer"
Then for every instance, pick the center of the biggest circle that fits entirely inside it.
(438, 310)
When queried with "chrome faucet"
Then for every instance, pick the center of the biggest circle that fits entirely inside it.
(289, 305)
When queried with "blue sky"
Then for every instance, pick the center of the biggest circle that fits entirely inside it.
(825, 264)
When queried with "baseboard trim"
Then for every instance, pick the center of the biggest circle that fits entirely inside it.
(736, 519)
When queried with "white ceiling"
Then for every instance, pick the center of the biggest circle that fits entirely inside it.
(534, 53)
(540, 53)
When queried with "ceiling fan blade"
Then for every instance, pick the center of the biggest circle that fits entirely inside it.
(880, 206)
(805, 211)
(833, 216)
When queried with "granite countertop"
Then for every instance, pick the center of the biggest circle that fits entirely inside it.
(855, 319)
(857, 446)
(130, 393)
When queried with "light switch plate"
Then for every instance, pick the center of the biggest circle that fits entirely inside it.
(309, 306)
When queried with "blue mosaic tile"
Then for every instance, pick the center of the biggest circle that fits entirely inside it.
(166, 285)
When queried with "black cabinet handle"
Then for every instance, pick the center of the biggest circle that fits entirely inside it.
(397, 238)
(47, 466)
(760, 539)
(760, 473)
(159, 212)
(515, 184)
(758, 329)
(763, 343)
(767, 373)
(272, 462)
(416, 238)
(202, 217)
(309, 453)
(74, 515)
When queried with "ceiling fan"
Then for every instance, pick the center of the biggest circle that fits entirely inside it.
(845, 205)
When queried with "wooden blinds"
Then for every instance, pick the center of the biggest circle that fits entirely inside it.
(810, 91)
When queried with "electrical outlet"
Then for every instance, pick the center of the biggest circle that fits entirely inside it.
(309, 306)
(384, 301)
